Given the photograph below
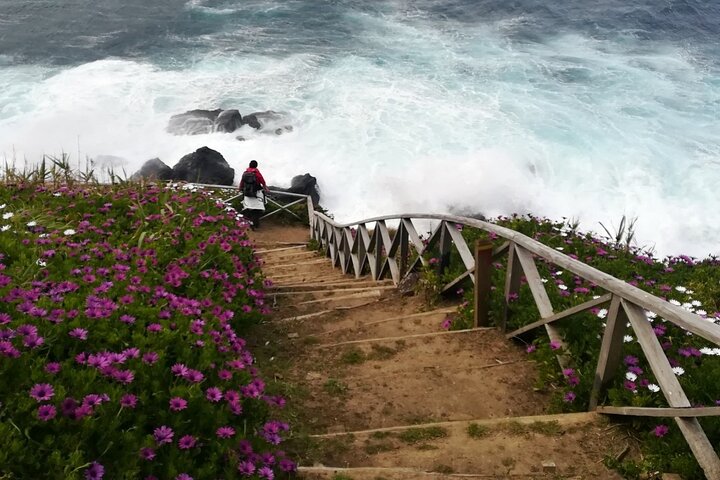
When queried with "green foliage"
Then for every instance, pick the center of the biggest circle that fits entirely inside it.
(417, 435)
(475, 430)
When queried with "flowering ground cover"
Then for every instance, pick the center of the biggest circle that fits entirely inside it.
(121, 356)
(691, 283)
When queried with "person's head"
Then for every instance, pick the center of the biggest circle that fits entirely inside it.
(253, 163)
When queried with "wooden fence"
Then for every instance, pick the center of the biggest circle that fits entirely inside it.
(370, 247)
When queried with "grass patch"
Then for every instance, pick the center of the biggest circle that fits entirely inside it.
(550, 429)
(382, 352)
(380, 435)
(353, 356)
(373, 448)
(335, 387)
(417, 435)
(310, 340)
(475, 430)
(447, 469)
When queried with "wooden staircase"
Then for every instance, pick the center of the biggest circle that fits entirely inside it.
(384, 392)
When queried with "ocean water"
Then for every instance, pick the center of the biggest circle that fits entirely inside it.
(583, 110)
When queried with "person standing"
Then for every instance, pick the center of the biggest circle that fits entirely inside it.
(254, 189)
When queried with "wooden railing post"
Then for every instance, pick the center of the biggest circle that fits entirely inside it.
(610, 350)
(444, 260)
(483, 282)
(512, 283)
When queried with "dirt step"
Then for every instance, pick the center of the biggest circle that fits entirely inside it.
(304, 286)
(267, 251)
(547, 446)
(285, 257)
(292, 265)
(395, 473)
(373, 326)
(394, 382)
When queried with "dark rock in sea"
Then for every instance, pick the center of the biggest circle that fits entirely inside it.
(303, 184)
(228, 121)
(153, 169)
(258, 120)
(197, 122)
(193, 122)
(204, 166)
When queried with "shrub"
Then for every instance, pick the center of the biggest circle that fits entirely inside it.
(120, 350)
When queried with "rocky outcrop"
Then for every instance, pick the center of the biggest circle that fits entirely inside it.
(153, 169)
(198, 122)
(303, 184)
(204, 166)
(194, 122)
(228, 121)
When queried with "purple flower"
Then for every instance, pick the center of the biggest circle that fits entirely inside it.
(631, 361)
(183, 476)
(154, 327)
(53, 367)
(245, 448)
(246, 468)
(124, 376)
(213, 394)
(42, 392)
(147, 453)
(187, 442)
(569, 397)
(95, 472)
(163, 435)
(555, 345)
(530, 348)
(225, 432)
(179, 370)
(266, 472)
(661, 430)
(447, 323)
(177, 404)
(46, 412)
(287, 465)
(128, 401)
(150, 358)
(79, 333)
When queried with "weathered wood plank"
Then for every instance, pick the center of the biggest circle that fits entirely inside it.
(483, 283)
(559, 316)
(689, 412)
(674, 394)
(534, 282)
(610, 349)
(465, 254)
(512, 282)
(414, 238)
(389, 260)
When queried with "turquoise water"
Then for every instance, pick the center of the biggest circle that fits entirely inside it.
(591, 112)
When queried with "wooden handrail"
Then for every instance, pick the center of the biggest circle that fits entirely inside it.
(351, 248)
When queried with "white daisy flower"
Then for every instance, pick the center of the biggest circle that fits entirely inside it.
(690, 292)
(595, 297)
(4, 228)
(559, 248)
(41, 263)
(707, 351)
(562, 287)
(702, 313)
(602, 313)
(32, 224)
(650, 314)
(69, 232)
(681, 289)
(653, 388)
(631, 376)
(3, 206)
(674, 302)
(559, 272)
(7, 215)
(678, 371)
(696, 303)
(628, 338)
(57, 194)
(544, 280)
(716, 352)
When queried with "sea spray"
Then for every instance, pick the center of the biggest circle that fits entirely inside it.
(408, 106)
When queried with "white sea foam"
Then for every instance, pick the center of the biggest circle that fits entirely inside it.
(420, 119)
